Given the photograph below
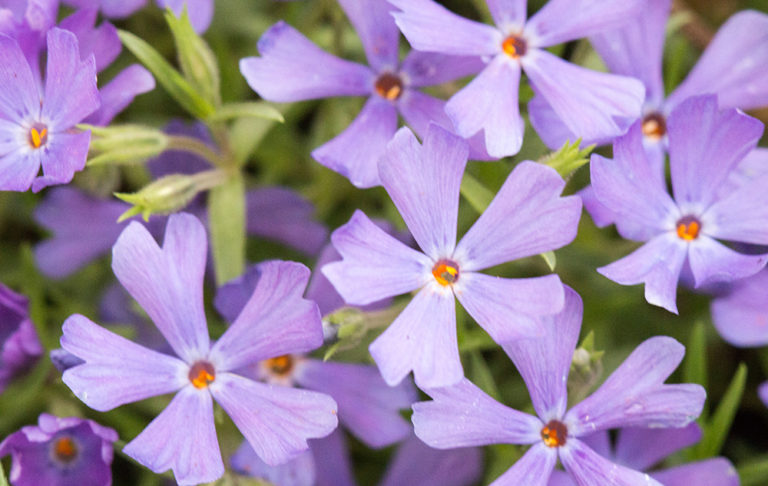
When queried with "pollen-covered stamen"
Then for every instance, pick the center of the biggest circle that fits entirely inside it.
(389, 86)
(201, 374)
(38, 135)
(280, 365)
(654, 126)
(514, 46)
(446, 272)
(554, 434)
(64, 450)
(688, 228)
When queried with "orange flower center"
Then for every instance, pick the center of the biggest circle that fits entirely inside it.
(389, 86)
(554, 434)
(281, 365)
(446, 272)
(38, 135)
(688, 228)
(201, 374)
(514, 46)
(65, 449)
(654, 126)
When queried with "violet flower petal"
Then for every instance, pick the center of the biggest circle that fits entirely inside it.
(762, 392)
(276, 320)
(431, 68)
(509, 309)
(174, 302)
(64, 155)
(276, 420)
(594, 106)
(368, 407)
(635, 395)
(332, 463)
(119, 8)
(376, 265)
(588, 468)
(19, 98)
(544, 362)
(490, 103)
(424, 23)
(548, 124)
(423, 339)
(742, 215)
(101, 41)
(740, 316)
(18, 169)
(117, 94)
(376, 29)
(299, 471)
(533, 469)
(643, 448)
(705, 145)
(292, 68)
(416, 463)
(733, 64)
(526, 217)
(483, 420)
(711, 472)
(355, 152)
(508, 13)
(182, 438)
(712, 261)
(116, 370)
(658, 264)
(423, 182)
(200, 11)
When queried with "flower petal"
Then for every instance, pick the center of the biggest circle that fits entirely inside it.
(70, 84)
(299, 471)
(711, 262)
(422, 339)
(18, 169)
(643, 448)
(594, 106)
(64, 155)
(356, 151)
(101, 41)
(116, 370)
(276, 420)
(275, 321)
(423, 182)
(416, 463)
(430, 68)
(376, 265)
(762, 392)
(508, 13)
(634, 394)
(733, 64)
(657, 264)
(424, 23)
(742, 215)
(544, 362)
(332, 462)
(533, 469)
(705, 144)
(292, 68)
(118, 8)
(741, 316)
(19, 98)
(711, 472)
(168, 282)
(368, 407)
(510, 309)
(463, 415)
(200, 11)
(377, 30)
(490, 103)
(526, 217)
(548, 125)
(119, 93)
(182, 438)
(588, 468)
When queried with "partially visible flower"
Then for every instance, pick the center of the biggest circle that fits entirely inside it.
(60, 452)
(167, 282)
(634, 395)
(200, 11)
(593, 105)
(741, 314)
(115, 9)
(706, 145)
(527, 217)
(37, 129)
(19, 346)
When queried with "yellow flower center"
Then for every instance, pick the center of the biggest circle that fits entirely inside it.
(201, 374)
(64, 449)
(688, 228)
(514, 46)
(446, 272)
(280, 365)
(654, 126)
(554, 434)
(389, 86)
(38, 136)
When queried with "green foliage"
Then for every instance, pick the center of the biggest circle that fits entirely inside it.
(226, 220)
(716, 430)
(567, 158)
(124, 144)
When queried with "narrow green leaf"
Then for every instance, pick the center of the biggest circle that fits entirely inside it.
(226, 216)
(476, 194)
(3, 480)
(754, 473)
(481, 374)
(173, 82)
(248, 109)
(567, 158)
(717, 429)
(695, 366)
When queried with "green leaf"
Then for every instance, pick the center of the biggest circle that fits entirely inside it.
(550, 259)
(754, 473)
(567, 158)
(695, 366)
(717, 429)
(248, 109)
(481, 374)
(196, 59)
(173, 82)
(477, 195)
(226, 216)
(3, 480)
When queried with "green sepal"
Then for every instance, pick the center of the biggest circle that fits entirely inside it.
(586, 369)
(567, 158)
(248, 109)
(226, 218)
(124, 144)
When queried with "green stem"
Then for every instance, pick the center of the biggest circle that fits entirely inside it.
(196, 147)
(478, 196)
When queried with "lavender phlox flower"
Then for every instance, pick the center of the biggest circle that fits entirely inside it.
(642, 449)
(292, 68)
(634, 395)
(167, 282)
(527, 217)
(741, 315)
(28, 22)
(35, 131)
(60, 452)
(116, 9)
(591, 104)
(705, 146)
(762, 392)
(200, 11)
(19, 345)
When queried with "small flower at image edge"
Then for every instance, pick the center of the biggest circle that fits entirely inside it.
(20, 347)
(60, 452)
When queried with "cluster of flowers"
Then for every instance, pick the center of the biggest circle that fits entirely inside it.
(287, 404)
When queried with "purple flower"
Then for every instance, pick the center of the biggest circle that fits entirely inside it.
(292, 68)
(168, 283)
(641, 449)
(741, 315)
(36, 130)
(60, 452)
(527, 217)
(592, 105)
(109, 8)
(634, 395)
(200, 11)
(705, 146)
(19, 346)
